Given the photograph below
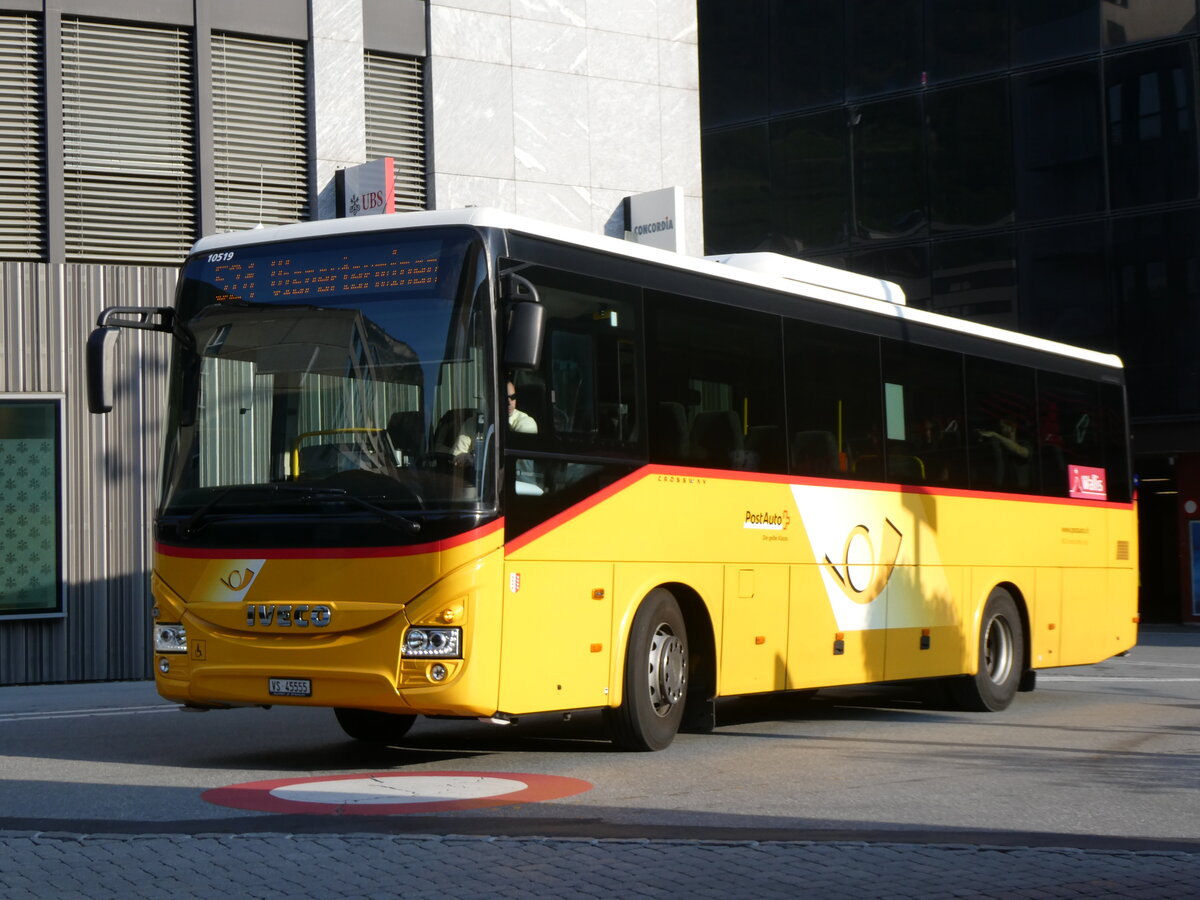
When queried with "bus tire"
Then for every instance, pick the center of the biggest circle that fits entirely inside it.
(1001, 658)
(656, 676)
(373, 727)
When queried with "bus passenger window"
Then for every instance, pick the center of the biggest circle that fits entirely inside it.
(833, 416)
(1001, 434)
(715, 386)
(923, 396)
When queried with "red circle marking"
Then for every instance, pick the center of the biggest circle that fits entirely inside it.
(258, 796)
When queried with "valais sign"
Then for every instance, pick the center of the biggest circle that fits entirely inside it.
(1087, 483)
(367, 190)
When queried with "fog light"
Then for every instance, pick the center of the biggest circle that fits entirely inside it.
(164, 665)
(437, 672)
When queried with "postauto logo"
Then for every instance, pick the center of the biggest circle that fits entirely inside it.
(767, 521)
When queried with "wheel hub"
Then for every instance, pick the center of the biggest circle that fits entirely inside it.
(668, 670)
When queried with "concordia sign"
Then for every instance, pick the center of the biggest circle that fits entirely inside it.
(655, 219)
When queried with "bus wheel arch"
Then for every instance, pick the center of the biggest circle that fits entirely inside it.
(1003, 653)
(658, 668)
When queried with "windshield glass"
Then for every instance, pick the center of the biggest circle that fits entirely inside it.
(341, 381)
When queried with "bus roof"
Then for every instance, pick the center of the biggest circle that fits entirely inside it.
(807, 279)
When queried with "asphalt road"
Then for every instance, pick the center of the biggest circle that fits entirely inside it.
(1106, 756)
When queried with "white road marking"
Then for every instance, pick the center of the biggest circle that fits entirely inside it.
(398, 789)
(42, 715)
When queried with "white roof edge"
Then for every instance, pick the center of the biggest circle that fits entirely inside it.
(843, 291)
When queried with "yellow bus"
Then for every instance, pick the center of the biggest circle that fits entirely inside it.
(466, 464)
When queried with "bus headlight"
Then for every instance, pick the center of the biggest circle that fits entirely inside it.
(170, 639)
(432, 643)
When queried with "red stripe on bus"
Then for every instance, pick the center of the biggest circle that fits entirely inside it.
(457, 540)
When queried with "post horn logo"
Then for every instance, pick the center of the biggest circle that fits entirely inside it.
(861, 575)
(239, 581)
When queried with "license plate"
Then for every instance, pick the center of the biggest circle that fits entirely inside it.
(289, 687)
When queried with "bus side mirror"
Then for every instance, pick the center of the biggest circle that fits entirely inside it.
(526, 323)
(100, 346)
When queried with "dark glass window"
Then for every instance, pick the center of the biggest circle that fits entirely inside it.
(906, 266)
(1060, 157)
(1001, 426)
(1127, 21)
(970, 156)
(1156, 277)
(733, 61)
(966, 38)
(1071, 430)
(1064, 293)
(834, 419)
(716, 385)
(923, 415)
(885, 49)
(1151, 126)
(31, 501)
(888, 169)
(975, 278)
(737, 190)
(1054, 29)
(806, 53)
(810, 183)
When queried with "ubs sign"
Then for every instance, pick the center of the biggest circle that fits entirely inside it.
(367, 190)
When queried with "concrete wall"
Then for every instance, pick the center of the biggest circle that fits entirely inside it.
(557, 109)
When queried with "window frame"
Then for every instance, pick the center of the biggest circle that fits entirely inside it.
(57, 401)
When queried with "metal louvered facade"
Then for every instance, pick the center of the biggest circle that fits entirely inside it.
(395, 119)
(260, 132)
(127, 142)
(22, 159)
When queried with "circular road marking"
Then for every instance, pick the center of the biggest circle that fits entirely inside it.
(394, 793)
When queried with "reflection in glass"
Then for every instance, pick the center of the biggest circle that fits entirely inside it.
(737, 191)
(888, 176)
(1064, 293)
(970, 156)
(1054, 29)
(1057, 132)
(975, 279)
(733, 62)
(966, 38)
(810, 200)
(806, 53)
(885, 49)
(1141, 20)
(1151, 126)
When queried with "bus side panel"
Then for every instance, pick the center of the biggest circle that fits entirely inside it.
(1045, 619)
(556, 650)
(925, 635)
(754, 637)
(1087, 617)
(819, 654)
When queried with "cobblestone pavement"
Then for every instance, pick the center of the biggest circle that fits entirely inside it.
(59, 865)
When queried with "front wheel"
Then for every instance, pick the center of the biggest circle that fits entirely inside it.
(372, 727)
(1001, 658)
(656, 675)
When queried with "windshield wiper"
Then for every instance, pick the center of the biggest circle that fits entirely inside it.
(196, 520)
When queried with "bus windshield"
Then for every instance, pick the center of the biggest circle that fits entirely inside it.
(333, 391)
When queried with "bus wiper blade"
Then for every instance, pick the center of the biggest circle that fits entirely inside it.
(197, 518)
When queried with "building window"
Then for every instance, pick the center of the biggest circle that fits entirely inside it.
(127, 142)
(21, 221)
(395, 118)
(30, 506)
(260, 132)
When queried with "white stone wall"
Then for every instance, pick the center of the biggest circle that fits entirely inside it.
(339, 124)
(558, 109)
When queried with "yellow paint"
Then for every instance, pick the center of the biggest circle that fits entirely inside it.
(774, 573)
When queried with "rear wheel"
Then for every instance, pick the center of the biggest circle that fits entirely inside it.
(1001, 658)
(656, 675)
(374, 727)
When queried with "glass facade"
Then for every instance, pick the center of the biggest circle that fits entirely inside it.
(1028, 163)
